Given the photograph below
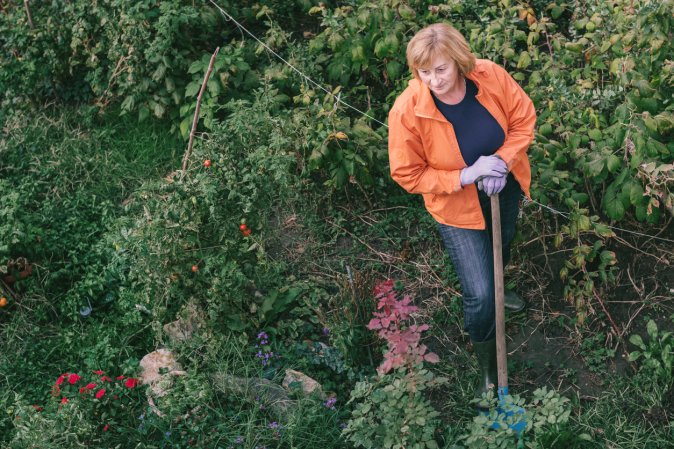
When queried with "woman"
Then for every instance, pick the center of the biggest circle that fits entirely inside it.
(457, 134)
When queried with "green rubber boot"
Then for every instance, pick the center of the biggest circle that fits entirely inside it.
(486, 360)
(512, 301)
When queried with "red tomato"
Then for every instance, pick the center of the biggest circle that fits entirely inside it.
(195, 268)
(207, 163)
(243, 226)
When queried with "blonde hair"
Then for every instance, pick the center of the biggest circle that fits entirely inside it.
(439, 39)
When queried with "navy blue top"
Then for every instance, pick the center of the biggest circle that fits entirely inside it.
(477, 131)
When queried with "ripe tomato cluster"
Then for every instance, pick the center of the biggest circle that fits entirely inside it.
(245, 230)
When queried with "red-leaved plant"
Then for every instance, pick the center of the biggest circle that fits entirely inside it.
(391, 323)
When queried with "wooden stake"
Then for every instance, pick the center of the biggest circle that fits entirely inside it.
(30, 19)
(196, 113)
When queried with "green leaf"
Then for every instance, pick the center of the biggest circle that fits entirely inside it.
(636, 193)
(380, 48)
(185, 127)
(603, 230)
(143, 113)
(158, 110)
(613, 163)
(613, 205)
(580, 198)
(594, 134)
(406, 12)
(524, 60)
(192, 89)
(196, 66)
(633, 356)
(128, 103)
(545, 129)
(637, 341)
(393, 69)
(596, 166)
(652, 329)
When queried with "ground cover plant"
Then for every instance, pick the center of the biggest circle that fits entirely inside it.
(284, 247)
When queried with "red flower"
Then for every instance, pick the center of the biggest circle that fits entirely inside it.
(82, 390)
(59, 381)
(106, 379)
(64, 400)
(100, 393)
(37, 408)
(120, 377)
(105, 428)
(90, 386)
(99, 372)
(131, 382)
(73, 378)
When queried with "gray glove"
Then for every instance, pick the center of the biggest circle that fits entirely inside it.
(484, 166)
(491, 185)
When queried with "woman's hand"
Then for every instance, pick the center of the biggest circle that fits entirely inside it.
(483, 167)
(491, 185)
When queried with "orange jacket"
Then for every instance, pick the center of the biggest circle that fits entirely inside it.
(424, 154)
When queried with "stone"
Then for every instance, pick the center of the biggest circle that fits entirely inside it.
(263, 391)
(309, 385)
(151, 366)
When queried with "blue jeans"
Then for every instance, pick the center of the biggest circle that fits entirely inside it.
(471, 253)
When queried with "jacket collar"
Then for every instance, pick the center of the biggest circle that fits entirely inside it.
(425, 106)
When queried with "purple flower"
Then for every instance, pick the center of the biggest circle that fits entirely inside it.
(330, 403)
(326, 331)
(239, 440)
(273, 425)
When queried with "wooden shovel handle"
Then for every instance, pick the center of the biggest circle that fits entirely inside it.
(501, 361)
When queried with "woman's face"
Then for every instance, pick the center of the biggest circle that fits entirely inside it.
(442, 76)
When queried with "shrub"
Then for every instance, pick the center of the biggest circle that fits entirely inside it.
(390, 410)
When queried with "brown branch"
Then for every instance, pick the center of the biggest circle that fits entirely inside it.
(115, 73)
(196, 113)
(617, 331)
(30, 19)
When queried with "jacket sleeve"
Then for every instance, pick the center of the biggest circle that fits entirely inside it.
(407, 160)
(521, 117)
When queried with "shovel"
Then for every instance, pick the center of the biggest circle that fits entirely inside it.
(508, 412)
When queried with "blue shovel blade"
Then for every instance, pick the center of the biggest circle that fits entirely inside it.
(512, 415)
